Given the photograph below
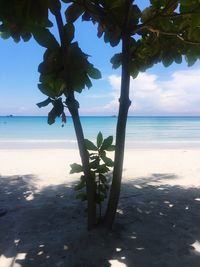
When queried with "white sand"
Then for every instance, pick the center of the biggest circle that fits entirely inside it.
(52, 166)
(157, 224)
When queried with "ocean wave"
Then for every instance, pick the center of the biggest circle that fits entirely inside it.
(38, 141)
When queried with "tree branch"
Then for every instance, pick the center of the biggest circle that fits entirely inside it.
(175, 34)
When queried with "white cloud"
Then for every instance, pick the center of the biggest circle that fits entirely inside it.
(180, 94)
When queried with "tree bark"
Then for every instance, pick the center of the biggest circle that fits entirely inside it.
(90, 182)
(120, 133)
(73, 107)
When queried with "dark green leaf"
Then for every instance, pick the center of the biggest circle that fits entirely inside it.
(63, 117)
(90, 145)
(73, 12)
(116, 61)
(76, 168)
(56, 111)
(45, 38)
(51, 116)
(107, 143)
(191, 58)
(111, 148)
(167, 60)
(88, 82)
(94, 73)
(109, 162)
(58, 106)
(26, 37)
(103, 168)
(50, 86)
(94, 164)
(99, 139)
(44, 103)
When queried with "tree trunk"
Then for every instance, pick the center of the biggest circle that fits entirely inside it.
(120, 133)
(90, 182)
(73, 107)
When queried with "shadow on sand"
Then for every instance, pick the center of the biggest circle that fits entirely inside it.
(156, 226)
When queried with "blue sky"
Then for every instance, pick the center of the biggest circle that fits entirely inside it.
(159, 91)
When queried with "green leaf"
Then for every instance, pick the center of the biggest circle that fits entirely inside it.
(44, 103)
(26, 36)
(178, 59)
(88, 82)
(99, 139)
(90, 145)
(73, 12)
(94, 164)
(191, 58)
(116, 60)
(56, 111)
(51, 86)
(147, 13)
(167, 60)
(109, 162)
(51, 116)
(94, 73)
(5, 35)
(58, 106)
(45, 38)
(63, 118)
(76, 168)
(111, 148)
(107, 143)
(103, 168)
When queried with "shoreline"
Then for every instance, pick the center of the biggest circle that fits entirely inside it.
(72, 145)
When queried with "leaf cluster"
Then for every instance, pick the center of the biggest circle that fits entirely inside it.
(59, 73)
(166, 31)
(110, 16)
(56, 111)
(100, 165)
(19, 19)
(72, 72)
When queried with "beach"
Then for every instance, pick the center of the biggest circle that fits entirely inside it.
(157, 223)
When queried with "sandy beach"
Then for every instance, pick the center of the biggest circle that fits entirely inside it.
(157, 223)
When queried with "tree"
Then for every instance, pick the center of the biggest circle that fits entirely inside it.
(166, 31)
(64, 70)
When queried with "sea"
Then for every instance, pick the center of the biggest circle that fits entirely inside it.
(29, 132)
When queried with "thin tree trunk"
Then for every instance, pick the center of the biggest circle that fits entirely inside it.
(120, 133)
(90, 182)
(73, 107)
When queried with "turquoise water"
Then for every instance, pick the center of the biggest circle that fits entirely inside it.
(142, 132)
